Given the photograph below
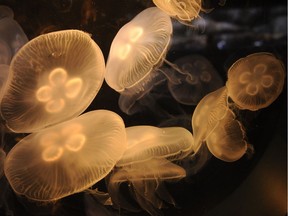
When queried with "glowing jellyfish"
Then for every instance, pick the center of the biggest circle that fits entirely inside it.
(147, 162)
(255, 81)
(139, 47)
(227, 141)
(198, 78)
(52, 78)
(183, 10)
(12, 37)
(207, 115)
(66, 158)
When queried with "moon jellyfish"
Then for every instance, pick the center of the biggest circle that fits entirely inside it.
(183, 10)
(146, 163)
(255, 81)
(12, 37)
(137, 50)
(66, 158)
(227, 141)
(207, 115)
(53, 78)
(198, 78)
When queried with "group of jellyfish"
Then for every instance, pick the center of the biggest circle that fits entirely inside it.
(46, 86)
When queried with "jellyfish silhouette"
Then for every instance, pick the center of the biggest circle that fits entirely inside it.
(66, 158)
(198, 78)
(12, 37)
(53, 78)
(254, 82)
(151, 149)
(227, 141)
(183, 10)
(207, 115)
(137, 50)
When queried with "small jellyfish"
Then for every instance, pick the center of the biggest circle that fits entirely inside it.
(183, 10)
(198, 78)
(151, 149)
(137, 50)
(66, 158)
(12, 38)
(227, 141)
(207, 115)
(254, 82)
(53, 78)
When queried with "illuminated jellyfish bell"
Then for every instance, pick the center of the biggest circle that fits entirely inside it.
(227, 141)
(147, 162)
(66, 158)
(198, 78)
(53, 78)
(207, 115)
(12, 37)
(137, 50)
(183, 10)
(255, 81)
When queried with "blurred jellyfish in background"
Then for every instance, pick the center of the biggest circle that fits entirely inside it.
(66, 158)
(184, 10)
(4, 71)
(139, 47)
(12, 37)
(254, 82)
(199, 78)
(146, 163)
(52, 78)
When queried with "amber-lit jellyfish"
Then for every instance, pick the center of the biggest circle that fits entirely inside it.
(139, 47)
(227, 141)
(208, 114)
(254, 82)
(198, 78)
(146, 163)
(53, 78)
(66, 158)
(12, 36)
(183, 10)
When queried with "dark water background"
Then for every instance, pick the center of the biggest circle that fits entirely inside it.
(252, 186)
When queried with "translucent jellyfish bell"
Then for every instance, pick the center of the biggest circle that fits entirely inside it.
(147, 162)
(137, 50)
(12, 37)
(52, 78)
(66, 158)
(184, 10)
(255, 81)
(227, 141)
(147, 142)
(207, 115)
(198, 78)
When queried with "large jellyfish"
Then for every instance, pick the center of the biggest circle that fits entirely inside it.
(53, 78)
(146, 163)
(255, 81)
(183, 10)
(139, 47)
(66, 158)
(197, 79)
(12, 37)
